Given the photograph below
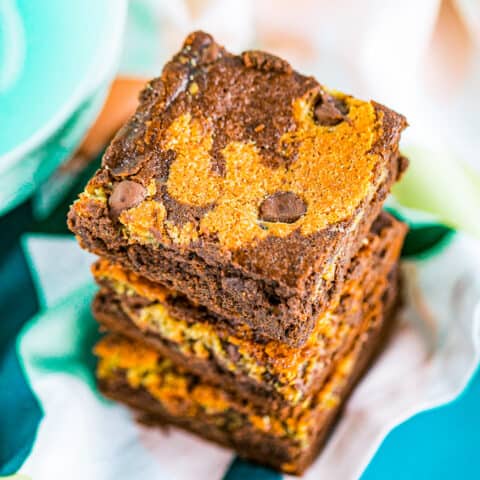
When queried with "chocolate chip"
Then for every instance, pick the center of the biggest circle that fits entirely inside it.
(125, 195)
(284, 207)
(341, 105)
(329, 111)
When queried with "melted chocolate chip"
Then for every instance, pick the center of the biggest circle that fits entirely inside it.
(329, 111)
(125, 195)
(265, 62)
(341, 105)
(283, 207)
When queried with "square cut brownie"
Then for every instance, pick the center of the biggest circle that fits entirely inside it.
(228, 355)
(243, 184)
(163, 393)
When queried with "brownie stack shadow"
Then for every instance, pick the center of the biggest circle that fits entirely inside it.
(247, 272)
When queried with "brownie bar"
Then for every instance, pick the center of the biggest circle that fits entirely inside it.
(163, 394)
(203, 344)
(243, 184)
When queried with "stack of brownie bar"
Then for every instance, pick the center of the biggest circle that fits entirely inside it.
(247, 270)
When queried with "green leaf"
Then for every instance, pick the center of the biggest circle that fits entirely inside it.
(442, 185)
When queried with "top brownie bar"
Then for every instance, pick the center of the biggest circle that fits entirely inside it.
(243, 184)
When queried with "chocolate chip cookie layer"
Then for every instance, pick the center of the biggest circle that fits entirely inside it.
(243, 184)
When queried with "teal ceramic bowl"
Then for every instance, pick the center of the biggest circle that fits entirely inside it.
(56, 59)
(24, 177)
